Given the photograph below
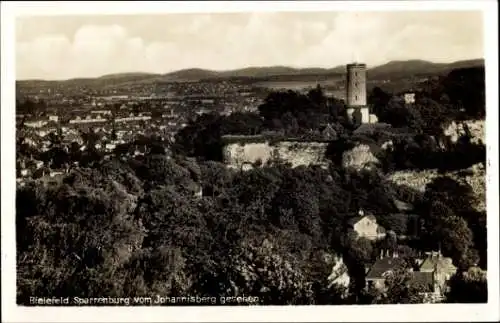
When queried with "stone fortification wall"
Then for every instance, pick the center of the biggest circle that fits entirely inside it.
(294, 152)
(297, 153)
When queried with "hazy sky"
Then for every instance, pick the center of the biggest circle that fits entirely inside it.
(62, 47)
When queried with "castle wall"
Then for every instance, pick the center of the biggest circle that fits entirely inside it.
(295, 153)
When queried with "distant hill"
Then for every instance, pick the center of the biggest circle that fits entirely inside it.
(192, 74)
(404, 69)
(390, 70)
(263, 72)
(128, 76)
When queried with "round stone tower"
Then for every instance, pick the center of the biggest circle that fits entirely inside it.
(357, 110)
(356, 85)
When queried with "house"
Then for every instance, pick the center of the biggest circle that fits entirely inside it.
(432, 283)
(54, 118)
(409, 98)
(443, 266)
(432, 276)
(36, 124)
(328, 132)
(366, 226)
(433, 258)
(55, 173)
(390, 263)
(428, 286)
(382, 267)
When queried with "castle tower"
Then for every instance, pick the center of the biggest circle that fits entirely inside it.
(357, 110)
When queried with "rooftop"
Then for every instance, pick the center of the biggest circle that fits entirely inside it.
(436, 260)
(356, 219)
(384, 265)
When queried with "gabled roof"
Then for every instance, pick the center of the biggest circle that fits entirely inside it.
(384, 265)
(435, 261)
(356, 219)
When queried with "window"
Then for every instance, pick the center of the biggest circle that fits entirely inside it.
(356, 97)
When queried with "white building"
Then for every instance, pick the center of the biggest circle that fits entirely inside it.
(54, 118)
(366, 226)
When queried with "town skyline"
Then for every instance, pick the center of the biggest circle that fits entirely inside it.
(70, 47)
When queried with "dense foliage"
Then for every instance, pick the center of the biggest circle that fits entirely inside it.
(138, 226)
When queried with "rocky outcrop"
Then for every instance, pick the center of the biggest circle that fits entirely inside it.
(474, 176)
(359, 157)
(416, 180)
(457, 129)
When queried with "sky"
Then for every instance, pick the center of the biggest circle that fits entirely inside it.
(63, 47)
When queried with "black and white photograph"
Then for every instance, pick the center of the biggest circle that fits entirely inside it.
(240, 157)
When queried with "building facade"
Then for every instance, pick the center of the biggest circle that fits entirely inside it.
(366, 226)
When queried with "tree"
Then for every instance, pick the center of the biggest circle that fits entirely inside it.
(379, 101)
(215, 178)
(401, 289)
(434, 115)
(296, 204)
(161, 170)
(400, 116)
(201, 138)
(80, 234)
(241, 124)
(357, 253)
(450, 232)
(468, 287)
(309, 111)
(465, 88)
(460, 199)
(317, 97)
(458, 196)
